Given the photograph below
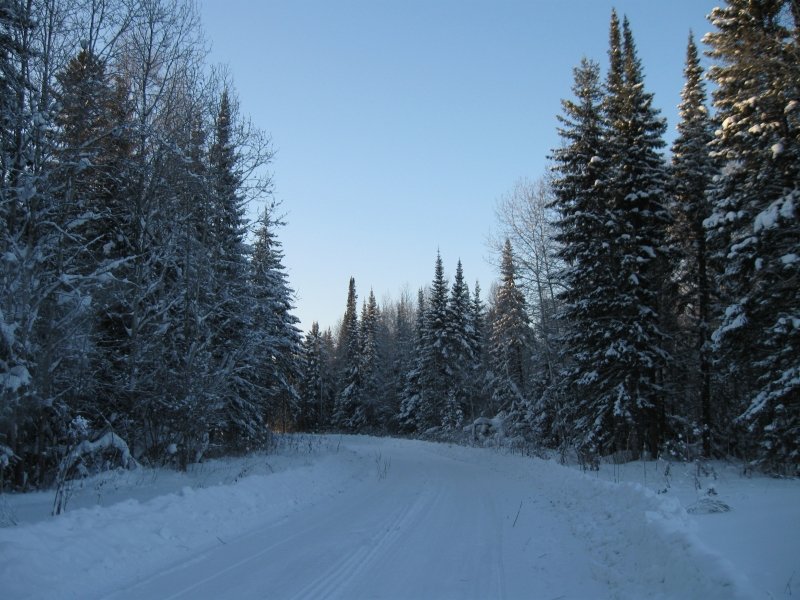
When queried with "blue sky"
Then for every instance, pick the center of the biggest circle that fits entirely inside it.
(399, 124)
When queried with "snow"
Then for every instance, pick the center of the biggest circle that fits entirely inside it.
(356, 517)
(15, 378)
(768, 218)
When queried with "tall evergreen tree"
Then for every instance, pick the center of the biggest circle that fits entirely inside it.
(275, 340)
(511, 340)
(349, 350)
(586, 244)
(242, 417)
(413, 393)
(478, 370)
(458, 350)
(312, 381)
(692, 173)
(228, 255)
(436, 368)
(400, 357)
(635, 179)
(94, 147)
(370, 412)
(611, 192)
(754, 224)
(425, 399)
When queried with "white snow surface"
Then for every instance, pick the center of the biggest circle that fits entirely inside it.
(360, 517)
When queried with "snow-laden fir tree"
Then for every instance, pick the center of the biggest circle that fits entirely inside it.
(478, 369)
(692, 172)
(274, 341)
(611, 191)
(228, 230)
(399, 355)
(349, 359)
(435, 367)
(370, 412)
(754, 226)
(635, 180)
(317, 385)
(459, 347)
(193, 384)
(312, 382)
(585, 248)
(510, 344)
(243, 414)
(92, 149)
(412, 394)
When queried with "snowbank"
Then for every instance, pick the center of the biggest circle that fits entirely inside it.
(89, 551)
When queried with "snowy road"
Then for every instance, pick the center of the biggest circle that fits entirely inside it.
(433, 527)
(376, 518)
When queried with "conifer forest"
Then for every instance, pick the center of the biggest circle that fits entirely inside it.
(647, 299)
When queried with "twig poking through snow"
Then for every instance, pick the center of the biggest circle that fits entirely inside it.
(517, 517)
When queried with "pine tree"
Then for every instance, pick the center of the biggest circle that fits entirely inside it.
(692, 173)
(459, 350)
(611, 192)
(312, 384)
(635, 179)
(228, 255)
(436, 369)
(94, 147)
(349, 350)
(400, 357)
(510, 344)
(754, 225)
(478, 369)
(589, 279)
(242, 416)
(413, 393)
(370, 412)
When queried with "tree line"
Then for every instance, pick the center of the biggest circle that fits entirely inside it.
(136, 297)
(648, 304)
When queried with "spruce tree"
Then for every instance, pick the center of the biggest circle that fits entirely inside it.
(510, 343)
(349, 350)
(478, 369)
(459, 351)
(586, 241)
(274, 342)
(692, 172)
(370, 412)
(436, 367)
(312, 385)
(413, 393)
(243, 418)
(754, 226)
(635, 181)
(400, 357)
(227, 235)
(93, 150)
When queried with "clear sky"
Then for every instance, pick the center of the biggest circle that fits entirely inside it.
(398, 124)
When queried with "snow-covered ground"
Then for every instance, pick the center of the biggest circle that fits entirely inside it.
(359, 517)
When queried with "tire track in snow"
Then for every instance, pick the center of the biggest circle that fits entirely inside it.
(498, 566)
(334, 580)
